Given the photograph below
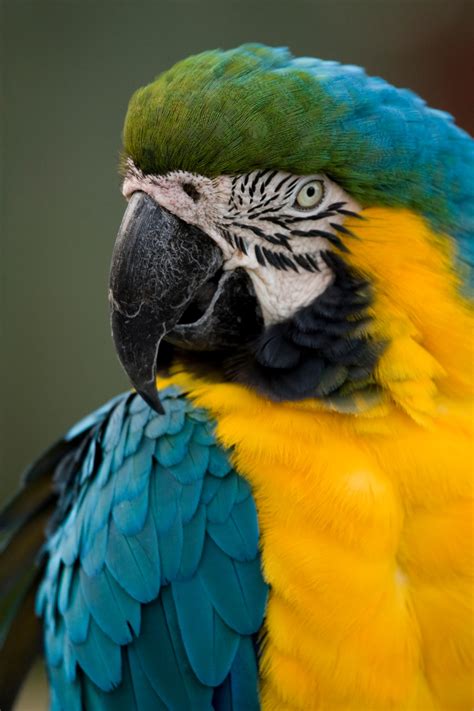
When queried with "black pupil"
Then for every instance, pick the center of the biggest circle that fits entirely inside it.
(310, 191)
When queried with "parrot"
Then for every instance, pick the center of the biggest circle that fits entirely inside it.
(278, 514)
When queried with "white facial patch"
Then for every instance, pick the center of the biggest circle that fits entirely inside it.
(275, 225)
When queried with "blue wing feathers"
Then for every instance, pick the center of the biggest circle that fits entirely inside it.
(210, 487)
(76, 616)
(88, 465)
(93, 561)
(153, 591)
(54, 644)
(177, 417)
(222, 698)
(204, 434)
(91, 525)
(116, 612)
(165, 495)
(70, 662)
(171, 546)
(129, 515)
(64, 693)
(193, 465)
(223, 502)
(103, 472)
(238, 536)
(241, 599)
(134, 562)
(218, 462)
(146, 699)
(163, 658)
(243, 490)
(113, 429)
(119, 449)
(64, 588)
(189, 499)
(210, 644)
(198, 459)
(99, 658)
(93, 419)
(157, 426)
(167, 453)
(244, 677)
(200, 695)
(193, 542)
(240, 688)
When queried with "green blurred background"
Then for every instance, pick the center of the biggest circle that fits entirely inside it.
(68, 70)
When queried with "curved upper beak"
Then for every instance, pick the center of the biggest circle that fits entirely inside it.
(158, 264)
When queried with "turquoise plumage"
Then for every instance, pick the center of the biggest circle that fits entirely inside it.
(153, 592)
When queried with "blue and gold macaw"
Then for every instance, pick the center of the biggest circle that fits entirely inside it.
(283, 519)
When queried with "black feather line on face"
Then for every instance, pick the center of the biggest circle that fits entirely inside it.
(342, 229)
(263, 204)
(289, 188)
(277, 239)
(259, 255)
(280, 261)
(303, 261)
(289, 219)
(283, 240)
(288, 262)
(269, 178)
(282, 182)
(270, 257)
(256, 230)
(349, 213)
(228, 237)
(313, 262)
(267, 210)
(273, 220)
(329, 236)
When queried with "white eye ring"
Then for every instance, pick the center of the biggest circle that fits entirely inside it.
(310, 195)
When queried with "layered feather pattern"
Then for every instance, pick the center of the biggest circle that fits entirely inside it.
(153, 592)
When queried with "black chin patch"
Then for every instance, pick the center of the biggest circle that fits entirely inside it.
(323, 351)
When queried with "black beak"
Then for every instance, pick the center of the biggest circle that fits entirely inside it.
(159, 263)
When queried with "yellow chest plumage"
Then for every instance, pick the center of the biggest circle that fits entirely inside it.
(366, 532)
(366, 520)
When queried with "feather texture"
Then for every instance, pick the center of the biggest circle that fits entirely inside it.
(142, 608)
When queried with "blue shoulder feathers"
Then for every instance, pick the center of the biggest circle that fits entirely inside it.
(153, 593)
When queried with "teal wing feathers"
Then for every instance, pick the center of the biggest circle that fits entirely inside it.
(153, 593)
(48, 488)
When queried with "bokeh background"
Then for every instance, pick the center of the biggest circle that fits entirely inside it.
(68, 70)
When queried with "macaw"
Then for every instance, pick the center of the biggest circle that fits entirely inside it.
(279, 515)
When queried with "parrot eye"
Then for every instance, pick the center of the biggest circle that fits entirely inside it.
(310, 195)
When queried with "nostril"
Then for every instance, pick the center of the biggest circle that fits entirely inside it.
(190, 190)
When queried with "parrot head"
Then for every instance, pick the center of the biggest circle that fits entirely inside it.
(294, 226)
